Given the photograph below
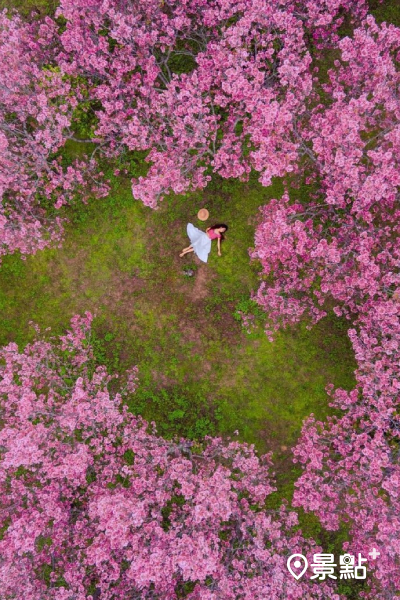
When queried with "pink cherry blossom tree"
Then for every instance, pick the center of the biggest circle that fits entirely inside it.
(341, 246)
(244, 83)
(351, 462)
(37, 104)
(200, 87)
(341, 250)
(96, 505)
(248, 75)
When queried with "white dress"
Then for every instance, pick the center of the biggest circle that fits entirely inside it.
(200, 242)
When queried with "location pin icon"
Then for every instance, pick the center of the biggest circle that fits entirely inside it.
(297, 561)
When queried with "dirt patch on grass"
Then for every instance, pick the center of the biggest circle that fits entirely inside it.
(274, 436)
(190, 333)
(162, 380)
(123, 287)
(200, 285)
(200, 288)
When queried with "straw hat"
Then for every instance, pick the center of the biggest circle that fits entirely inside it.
(203, 214)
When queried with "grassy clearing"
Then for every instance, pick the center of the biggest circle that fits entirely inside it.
(200, 372)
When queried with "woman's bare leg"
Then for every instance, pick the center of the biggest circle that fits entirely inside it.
(186, 251)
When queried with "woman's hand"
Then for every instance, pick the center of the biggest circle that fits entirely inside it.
(219, 253)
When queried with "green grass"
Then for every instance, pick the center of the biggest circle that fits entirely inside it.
(200, 372)
(387, 11)
(27, 7)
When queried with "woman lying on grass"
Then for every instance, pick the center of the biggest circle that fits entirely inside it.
(200, 241)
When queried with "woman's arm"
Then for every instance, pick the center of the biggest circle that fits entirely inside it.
(219, 246)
